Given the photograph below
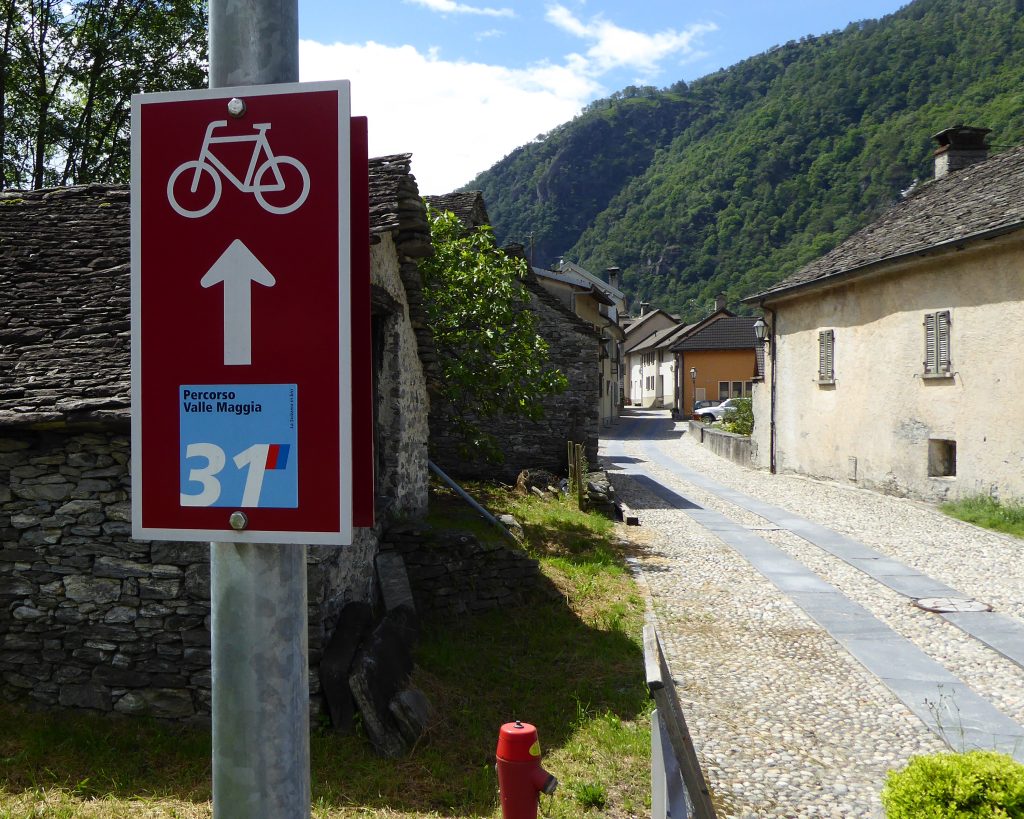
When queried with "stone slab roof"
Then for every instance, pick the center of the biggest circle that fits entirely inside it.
(659, 338)
(467, 205)
(64, 314)
(725, 333)
(65, 294)
(980, 201)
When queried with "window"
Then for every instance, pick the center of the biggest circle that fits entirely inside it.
(936, 344)
(748, 387)
(826, 356)
(941, 458)
(723, 390)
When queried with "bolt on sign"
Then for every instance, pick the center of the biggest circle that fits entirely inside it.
(241, 314)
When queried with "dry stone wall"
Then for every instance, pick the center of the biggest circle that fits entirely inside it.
(574, 348)
(454, 573)
(90, 618)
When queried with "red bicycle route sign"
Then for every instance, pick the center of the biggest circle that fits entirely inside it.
(241, 314)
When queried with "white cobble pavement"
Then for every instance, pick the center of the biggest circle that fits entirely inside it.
(786, 722)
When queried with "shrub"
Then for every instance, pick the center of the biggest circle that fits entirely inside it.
(741, 421)
(974, 785)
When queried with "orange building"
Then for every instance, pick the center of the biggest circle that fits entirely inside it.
(718, 359)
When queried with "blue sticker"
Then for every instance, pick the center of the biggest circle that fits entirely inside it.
(238, 446)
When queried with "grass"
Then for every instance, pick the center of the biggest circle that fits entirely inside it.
(570, 662)
(986, 511)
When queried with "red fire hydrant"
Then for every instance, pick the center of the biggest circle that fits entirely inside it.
(521, 779)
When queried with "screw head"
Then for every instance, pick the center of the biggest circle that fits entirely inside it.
(238, 521)
(236, 107)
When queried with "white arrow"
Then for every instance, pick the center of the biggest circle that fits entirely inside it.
(238, 268)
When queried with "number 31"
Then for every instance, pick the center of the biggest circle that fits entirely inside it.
(253, 459)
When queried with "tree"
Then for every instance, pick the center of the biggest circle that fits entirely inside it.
(493, 362)
(68, 69)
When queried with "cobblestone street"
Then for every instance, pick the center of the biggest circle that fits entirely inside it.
(786, 607)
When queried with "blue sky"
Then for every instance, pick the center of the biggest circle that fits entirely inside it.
(461, 83)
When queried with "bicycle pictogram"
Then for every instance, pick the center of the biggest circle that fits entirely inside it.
(255, 181)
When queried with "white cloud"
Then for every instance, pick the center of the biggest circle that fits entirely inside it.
(451, 7)
(457, 118)
(616, 47)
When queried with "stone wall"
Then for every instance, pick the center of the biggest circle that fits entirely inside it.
(90, 618)
(737, 448)
(574, 348)
(402, 400)
(453, 573)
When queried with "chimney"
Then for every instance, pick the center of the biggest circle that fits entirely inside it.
(720, 302)
(959, 147)
(613, 277)
(643, 307)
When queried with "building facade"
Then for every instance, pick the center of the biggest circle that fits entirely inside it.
(891, 361)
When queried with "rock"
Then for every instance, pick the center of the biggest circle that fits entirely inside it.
(380, 671)
(82, 588)
(85, 696)
(353, 626)
(412, 712)
(513, 525)
(535, 478)
(14, 587)
(393, 581)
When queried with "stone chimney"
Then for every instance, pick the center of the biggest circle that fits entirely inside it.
(613, 276)
(643, 307)
(959, 146)
(721, 301)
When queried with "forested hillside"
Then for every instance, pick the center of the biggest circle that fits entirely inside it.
(731, 183)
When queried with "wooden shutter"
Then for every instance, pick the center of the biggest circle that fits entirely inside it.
(931, 344)
(943, 364)
(826, 355)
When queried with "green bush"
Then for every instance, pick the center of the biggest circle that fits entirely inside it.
(974, 785)
(741, 421)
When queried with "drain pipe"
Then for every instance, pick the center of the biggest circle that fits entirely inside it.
(774, 357)
(462, 493)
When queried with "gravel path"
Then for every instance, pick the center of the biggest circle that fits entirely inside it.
(787, 723)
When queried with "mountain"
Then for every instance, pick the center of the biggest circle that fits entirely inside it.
(734, 181)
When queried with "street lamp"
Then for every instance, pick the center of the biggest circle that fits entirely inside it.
(761, 331)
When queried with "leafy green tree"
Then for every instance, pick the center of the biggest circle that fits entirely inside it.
(493, 362)
(68, 69)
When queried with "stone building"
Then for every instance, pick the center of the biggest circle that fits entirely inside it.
(891, 362)
(574, 347)
(88, 617)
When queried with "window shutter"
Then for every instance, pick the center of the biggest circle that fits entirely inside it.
(830, 364)
(826, 355)
(942, 335)
(931, 346)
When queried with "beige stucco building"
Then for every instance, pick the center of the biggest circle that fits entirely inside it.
(893, 361)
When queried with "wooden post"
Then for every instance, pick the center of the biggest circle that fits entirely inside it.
(581, 478)
(571, 461)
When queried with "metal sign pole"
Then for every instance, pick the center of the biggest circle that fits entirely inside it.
(259, 643)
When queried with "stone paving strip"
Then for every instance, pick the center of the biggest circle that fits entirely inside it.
(999, 632)
(787, 722)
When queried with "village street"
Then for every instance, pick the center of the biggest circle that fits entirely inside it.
(786, 607)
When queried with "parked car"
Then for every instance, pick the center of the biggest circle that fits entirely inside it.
(699, 405)
(717, 412)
